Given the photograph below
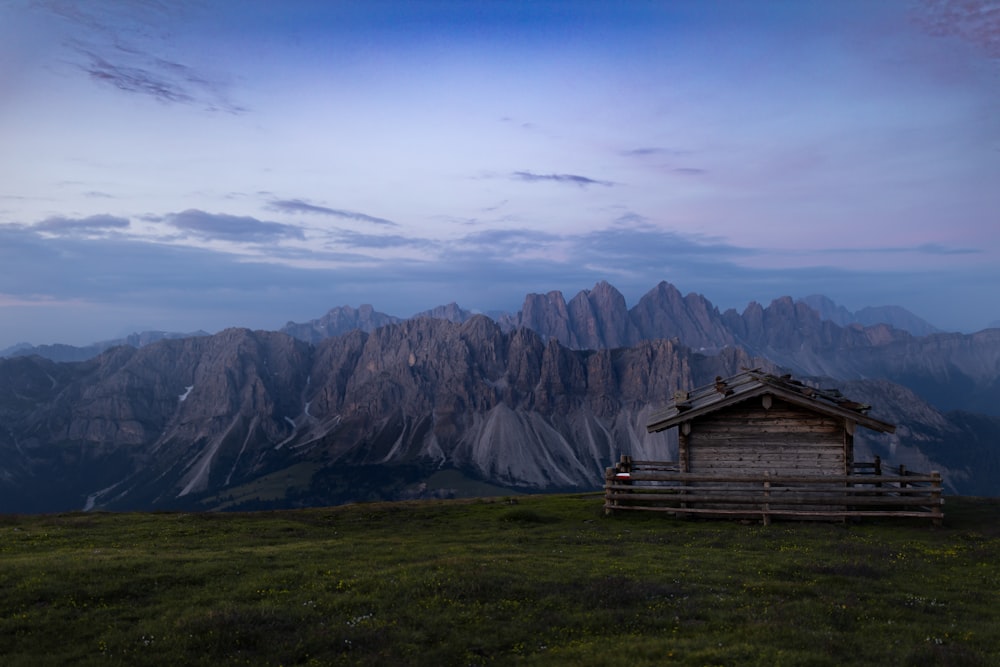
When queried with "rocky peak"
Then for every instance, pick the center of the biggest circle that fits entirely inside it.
(339, 321)
(451, 312)
(547, 314)
(599, 319)
(894, 316)
(664, 313)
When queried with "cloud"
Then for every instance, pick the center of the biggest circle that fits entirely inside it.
(936, 249)
(355, 239)
(975, 21)
(490, 209)
(231, 227)
(120, 44)
(924, 249)
(630, 240)
(522, 124)
(649, 246)
(91, 223)
(162, 79)
(300, 206)
(121, 283)
(574, 179)
(507, 244)
(654, 150)
(135, 80)
(631, 218)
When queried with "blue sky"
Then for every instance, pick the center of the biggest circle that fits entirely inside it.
(198, 165)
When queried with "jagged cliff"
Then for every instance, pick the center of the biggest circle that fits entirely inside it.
(542, 400)
(338, 321)
(180, 419)
(951, 370)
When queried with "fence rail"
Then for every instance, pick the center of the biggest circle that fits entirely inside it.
(871, 491)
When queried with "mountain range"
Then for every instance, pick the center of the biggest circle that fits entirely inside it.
(360, 405)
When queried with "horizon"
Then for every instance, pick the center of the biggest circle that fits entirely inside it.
(492, 314)
(196, 166)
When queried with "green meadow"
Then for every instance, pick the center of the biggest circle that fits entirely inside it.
(531, 580)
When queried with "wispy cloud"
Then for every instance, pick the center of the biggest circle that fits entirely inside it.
(923, 249)
(572, 179)
(510, 241)
(353, 239)
(123, 45)
(490, 209)
(631, 218)
(649, 246)
(231, 227)
(649, 151)
(192, 287)
(975, 21)
(664, 158)
(936, 249)
(92, 223)
(135, 80)
(522, 124)
(300, 206)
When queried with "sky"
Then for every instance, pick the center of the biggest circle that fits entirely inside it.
(182, 166)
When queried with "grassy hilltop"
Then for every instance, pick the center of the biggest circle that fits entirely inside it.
(546, 581)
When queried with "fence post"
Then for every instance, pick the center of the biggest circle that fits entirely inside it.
(767, 496)
(609, 478)
(937, 514)
(902, 476)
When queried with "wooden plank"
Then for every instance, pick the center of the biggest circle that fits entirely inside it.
(836, 514)
(751, 430)
(781, 495)
(764, 426)
(758, 500)
(771, 447)
(778, 433)
(768, 452)
(763, 494)
(784, 479)
(776, 491)
(777, 437)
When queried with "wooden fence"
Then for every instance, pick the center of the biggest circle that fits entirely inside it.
(871, 491)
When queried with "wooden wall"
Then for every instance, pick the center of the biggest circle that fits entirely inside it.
(783, 439)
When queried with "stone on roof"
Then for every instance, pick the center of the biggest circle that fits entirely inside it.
(722, 393)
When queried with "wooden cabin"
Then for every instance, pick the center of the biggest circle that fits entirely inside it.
(762, 444)
(754, 422)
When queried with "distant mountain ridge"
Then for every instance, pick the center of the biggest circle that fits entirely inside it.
(954, 370)
(542, 399)
(542, 312)
(894, 316)
(186, 423)
(60, 352)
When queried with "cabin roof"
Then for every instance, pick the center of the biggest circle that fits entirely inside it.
(723, 393)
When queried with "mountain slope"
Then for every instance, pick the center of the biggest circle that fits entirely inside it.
(894, 316)
(173, 422)
(182, 423)
(60, 352)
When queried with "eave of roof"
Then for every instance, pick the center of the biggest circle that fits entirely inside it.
(751, 383)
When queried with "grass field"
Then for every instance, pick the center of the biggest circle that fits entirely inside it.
(536, 580)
